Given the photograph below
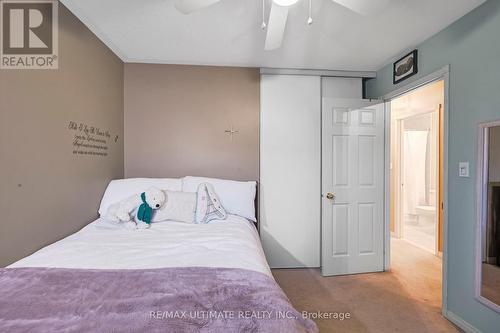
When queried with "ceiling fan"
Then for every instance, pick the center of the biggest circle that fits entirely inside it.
(279, 13)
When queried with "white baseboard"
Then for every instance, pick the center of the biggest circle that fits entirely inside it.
(468, 328)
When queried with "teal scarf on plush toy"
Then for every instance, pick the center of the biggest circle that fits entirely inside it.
(145, 212)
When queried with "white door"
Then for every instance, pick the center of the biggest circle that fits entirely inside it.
(352, 186)
(290, 170)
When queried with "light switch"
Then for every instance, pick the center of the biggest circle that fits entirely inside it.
(463, 169)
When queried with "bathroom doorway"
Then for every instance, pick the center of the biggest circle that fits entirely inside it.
(416, 165)
(417, 221)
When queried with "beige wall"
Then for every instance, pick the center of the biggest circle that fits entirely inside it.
(175, 118)
(46, 191)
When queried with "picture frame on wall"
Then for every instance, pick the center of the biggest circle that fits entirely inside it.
(405, 67)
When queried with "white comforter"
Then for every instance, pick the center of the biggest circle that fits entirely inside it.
(232, 243)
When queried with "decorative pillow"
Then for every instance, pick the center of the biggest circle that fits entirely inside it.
(208, 206)
(178, 206)
(236, 197)
(121, 189)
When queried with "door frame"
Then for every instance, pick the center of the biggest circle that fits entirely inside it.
(441, 74)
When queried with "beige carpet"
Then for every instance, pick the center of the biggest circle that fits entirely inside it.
(406, 299)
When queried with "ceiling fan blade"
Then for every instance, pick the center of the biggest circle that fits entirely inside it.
(189, 6)
(276, 27)
(364, 7)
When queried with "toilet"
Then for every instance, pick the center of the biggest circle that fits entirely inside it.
(426, 216)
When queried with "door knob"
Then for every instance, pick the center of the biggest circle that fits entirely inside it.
(330, 196)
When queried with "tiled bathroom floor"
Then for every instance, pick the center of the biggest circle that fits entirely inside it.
(420, 236)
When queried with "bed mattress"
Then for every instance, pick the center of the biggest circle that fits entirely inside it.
(231, 243)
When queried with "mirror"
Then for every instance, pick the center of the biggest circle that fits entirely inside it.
(488, 231)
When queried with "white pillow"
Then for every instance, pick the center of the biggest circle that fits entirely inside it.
(120, 189)
(179, 206)
(237, 198)
(208, 205)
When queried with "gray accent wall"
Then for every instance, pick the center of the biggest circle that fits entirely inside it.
(46, 191)
(472, 49)
(176, 117)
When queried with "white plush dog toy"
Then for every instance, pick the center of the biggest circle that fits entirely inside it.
(144, 203)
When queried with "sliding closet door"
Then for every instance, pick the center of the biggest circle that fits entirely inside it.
(290, 166)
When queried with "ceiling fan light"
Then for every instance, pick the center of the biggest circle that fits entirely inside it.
(285, 3)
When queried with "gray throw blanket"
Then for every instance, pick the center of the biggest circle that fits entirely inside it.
(191, 299)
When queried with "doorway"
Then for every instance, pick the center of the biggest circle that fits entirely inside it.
(416, 179)
(416, 167)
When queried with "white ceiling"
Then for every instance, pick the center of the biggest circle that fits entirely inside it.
(228, 33)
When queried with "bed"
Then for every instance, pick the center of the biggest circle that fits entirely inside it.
(173, 277)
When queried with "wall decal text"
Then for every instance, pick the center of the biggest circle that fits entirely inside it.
(90, 140)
